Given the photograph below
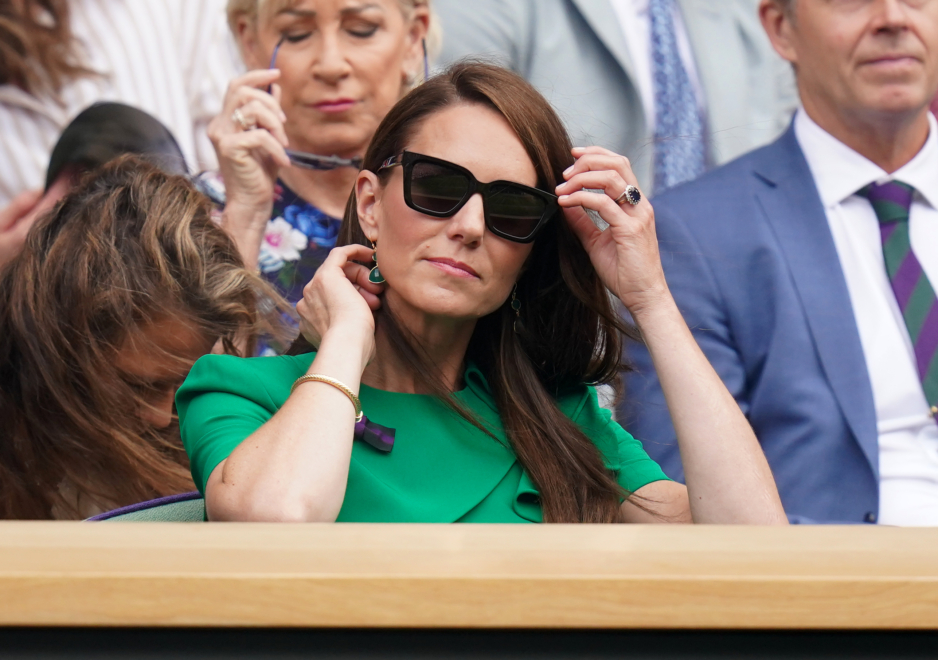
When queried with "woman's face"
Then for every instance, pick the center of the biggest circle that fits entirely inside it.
(155, 360)
(343, 64)
(448, 267)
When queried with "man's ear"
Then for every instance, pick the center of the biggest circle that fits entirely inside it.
(367, 190)
(777, 21)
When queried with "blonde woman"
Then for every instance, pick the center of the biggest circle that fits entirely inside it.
(323, 74)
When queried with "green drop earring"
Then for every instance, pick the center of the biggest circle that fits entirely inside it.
(375, 276)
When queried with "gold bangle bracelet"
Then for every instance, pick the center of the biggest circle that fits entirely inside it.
(339, 385)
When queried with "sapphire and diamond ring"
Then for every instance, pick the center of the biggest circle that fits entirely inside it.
(631, 195)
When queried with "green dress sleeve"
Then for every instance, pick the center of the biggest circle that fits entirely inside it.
(623, 454)
(225, 399)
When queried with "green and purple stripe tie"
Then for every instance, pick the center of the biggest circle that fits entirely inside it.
(914, 292)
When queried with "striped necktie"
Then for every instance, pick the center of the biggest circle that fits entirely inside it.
(914, 292)
(679, 147)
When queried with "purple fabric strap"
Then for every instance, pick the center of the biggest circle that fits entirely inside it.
(379, 437)
(149, 504)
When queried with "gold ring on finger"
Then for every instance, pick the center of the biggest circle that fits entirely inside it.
(631, 194)
(238, 117)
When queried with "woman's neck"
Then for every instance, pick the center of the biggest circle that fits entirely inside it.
(327, 190)
(443, 341)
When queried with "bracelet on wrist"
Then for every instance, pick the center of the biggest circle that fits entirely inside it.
(339, 385)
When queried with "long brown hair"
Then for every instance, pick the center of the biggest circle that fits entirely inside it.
(38, 52)
(570, 333)
(130, 247)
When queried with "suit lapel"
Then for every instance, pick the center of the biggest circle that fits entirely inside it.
(602, 19)
(790, 201)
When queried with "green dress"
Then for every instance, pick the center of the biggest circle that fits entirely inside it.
(442, 469)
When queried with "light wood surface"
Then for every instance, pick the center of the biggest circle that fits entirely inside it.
(161, 574)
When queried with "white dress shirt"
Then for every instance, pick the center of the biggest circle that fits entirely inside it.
(170, 58)
(908, 435)
(636, 26)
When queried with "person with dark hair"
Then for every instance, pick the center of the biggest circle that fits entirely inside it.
(118, 290)
(105, 131)
(451, 377)
(98, 135)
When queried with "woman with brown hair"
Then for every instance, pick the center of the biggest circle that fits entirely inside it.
(116, 293)
(451, 381)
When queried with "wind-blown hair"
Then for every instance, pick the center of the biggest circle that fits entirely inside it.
(38, 52)
(130, 247)
(570, 333)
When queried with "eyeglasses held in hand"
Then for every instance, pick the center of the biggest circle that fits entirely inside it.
(439, 189)
(317, 162)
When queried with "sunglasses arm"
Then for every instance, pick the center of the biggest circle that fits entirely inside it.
(391, 162)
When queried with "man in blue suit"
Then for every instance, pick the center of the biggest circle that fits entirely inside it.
(805, 270)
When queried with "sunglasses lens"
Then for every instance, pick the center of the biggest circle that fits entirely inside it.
(437, 188)
(513, 210)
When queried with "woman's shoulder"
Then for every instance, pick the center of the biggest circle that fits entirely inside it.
(581, 404)
(574, 401)
(243, 376)
(621, 451)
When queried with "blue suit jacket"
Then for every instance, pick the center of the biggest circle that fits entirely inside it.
(750, 259)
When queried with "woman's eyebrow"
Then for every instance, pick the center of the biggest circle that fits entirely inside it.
(360, 8)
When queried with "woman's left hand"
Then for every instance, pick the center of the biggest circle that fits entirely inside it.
(626, 253)
(728, 478)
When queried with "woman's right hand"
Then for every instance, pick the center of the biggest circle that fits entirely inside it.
(250, 155)
(340, 301)
(295, 467)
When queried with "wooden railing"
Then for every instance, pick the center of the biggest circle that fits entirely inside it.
(469, 576)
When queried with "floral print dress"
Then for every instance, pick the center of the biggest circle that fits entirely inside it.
(298, 239)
